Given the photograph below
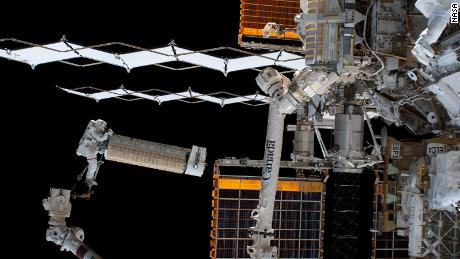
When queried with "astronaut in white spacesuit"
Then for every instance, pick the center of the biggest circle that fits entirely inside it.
(93, 142)
(438, 14)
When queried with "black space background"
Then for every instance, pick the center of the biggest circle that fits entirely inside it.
(137, 212)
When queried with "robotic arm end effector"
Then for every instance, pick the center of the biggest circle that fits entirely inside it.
(272, 82)
(307, 85)
(69, 238)
(58, 206)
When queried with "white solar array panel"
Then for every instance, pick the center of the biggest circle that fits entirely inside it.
(63, 50)
(254, 100)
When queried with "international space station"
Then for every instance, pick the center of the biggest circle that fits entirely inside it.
(347, 61)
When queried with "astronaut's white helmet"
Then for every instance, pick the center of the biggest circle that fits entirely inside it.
(102, 125)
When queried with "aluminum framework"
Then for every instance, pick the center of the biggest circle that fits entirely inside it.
(63, 51)
(442, 233)
(245, 162)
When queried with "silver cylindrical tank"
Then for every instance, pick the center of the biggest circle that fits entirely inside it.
(349, 131)
(304, 142)
(147, 154)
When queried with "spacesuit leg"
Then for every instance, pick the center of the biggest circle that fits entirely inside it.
(90, 173)
(436, 25)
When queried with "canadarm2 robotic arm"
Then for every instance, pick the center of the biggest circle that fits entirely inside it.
(286, 97)
(69, 238)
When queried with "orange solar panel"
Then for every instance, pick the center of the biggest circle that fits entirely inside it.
(255, 14)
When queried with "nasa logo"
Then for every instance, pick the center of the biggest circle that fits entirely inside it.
(269, 151)
(454, 13)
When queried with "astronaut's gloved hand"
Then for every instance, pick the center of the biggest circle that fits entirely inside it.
(91, 183)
